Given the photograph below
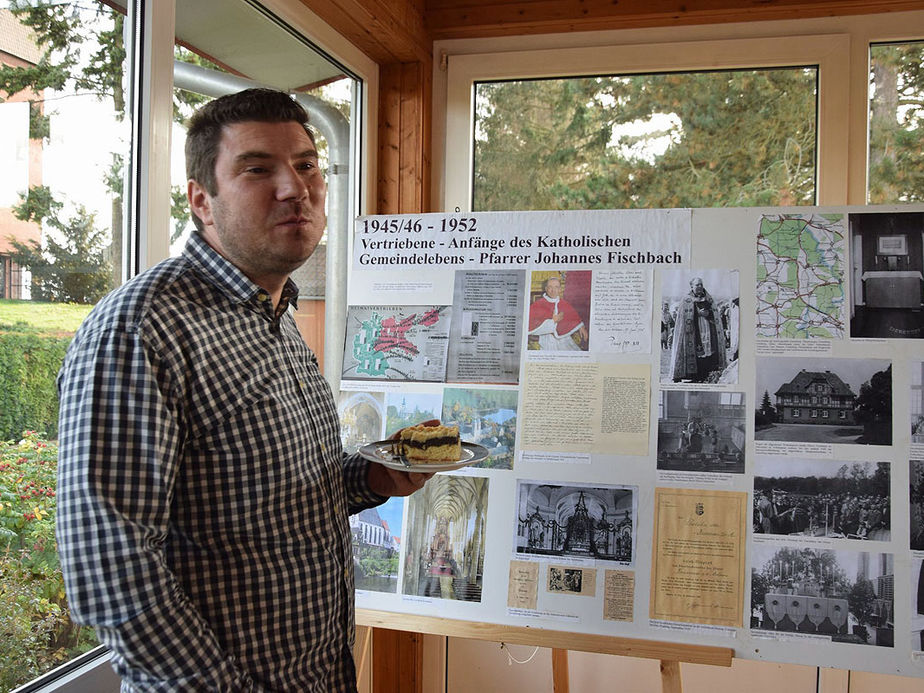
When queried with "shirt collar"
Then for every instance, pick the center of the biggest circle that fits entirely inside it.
(227, 277)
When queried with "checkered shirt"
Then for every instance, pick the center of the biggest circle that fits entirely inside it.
(203, 495)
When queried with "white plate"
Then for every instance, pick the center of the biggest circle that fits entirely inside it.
(381, 452)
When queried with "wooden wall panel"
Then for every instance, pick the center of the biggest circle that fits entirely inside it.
(397, 661)
(403, 181)
(486, 18)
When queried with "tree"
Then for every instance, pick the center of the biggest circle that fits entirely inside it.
(728, 138)
(704, 139)
(83, 53)
(896, 167)
(862, 600)
(874, 408)
(75, 270)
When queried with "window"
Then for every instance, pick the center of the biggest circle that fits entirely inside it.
(682, 139)
(813, 414)
(731, 399)
(63, 216)
(43, 136)
(824, 413)
(796, 413)
(896, 123)
(569, 65)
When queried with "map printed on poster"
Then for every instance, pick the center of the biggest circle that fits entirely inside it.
(800, 276)
(396, 343)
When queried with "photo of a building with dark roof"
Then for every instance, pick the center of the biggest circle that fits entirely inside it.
(816, 397)
(824, 400)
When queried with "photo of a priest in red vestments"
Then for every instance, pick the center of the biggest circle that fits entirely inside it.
(554, 322)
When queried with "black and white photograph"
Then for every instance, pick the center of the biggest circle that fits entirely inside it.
(887, 263)
(917, 402)
(699, 326)
(445, 538)
(576, 521)
(701, 431)
(823, 498)
(824, 400)
(916, 509)
(565, 580)
(845, 595)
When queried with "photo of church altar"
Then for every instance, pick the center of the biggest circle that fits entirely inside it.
(577, 521)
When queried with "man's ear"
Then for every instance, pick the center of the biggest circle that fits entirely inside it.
(199, 201)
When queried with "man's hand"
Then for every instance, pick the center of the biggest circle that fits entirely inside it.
(394, 482)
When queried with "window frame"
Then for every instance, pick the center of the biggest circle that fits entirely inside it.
(838, 46)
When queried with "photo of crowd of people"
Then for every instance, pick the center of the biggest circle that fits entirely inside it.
(916, 497)
(821, 498)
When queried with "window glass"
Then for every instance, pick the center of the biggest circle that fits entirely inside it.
(249, 43)
(896, 123)
(692, 139)
(62, 76)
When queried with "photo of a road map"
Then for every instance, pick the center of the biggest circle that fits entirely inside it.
(800, 276)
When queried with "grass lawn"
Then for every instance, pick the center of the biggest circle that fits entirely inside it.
(51, 317)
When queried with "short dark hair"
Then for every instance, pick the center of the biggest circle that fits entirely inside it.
(203, 129)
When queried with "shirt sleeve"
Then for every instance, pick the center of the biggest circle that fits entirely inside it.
(355, 480)
(120, 443)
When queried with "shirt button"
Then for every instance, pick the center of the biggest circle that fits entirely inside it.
(262, 296)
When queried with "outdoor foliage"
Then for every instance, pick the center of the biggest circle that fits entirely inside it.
(896, 145)
(29, 364)
(75, 270)
(377, 561)
(874, 408)
(36, 632)
(705, 139)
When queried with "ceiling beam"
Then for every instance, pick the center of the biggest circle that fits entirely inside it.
(446, 19)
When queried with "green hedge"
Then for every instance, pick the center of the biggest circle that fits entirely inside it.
(29, 364)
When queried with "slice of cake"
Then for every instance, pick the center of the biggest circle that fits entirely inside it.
(422, 444)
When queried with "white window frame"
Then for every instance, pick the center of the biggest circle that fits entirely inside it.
(839, 46)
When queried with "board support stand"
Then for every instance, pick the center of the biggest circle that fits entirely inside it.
(405, 629)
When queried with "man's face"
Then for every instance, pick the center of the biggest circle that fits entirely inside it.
(267, 215)
(553, 288)
(697, 286)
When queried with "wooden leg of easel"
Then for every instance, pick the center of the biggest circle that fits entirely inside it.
(670, 677)
(361, 650)
(559, 671)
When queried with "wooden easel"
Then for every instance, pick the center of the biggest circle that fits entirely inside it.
(670, 655)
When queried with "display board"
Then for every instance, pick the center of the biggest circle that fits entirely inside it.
(705, 426)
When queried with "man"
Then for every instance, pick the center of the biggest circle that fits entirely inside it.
(699, 343)
(203, 495)
(766, 513)
(555, 321)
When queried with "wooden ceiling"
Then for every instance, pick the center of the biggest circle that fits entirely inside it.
(402, 31)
